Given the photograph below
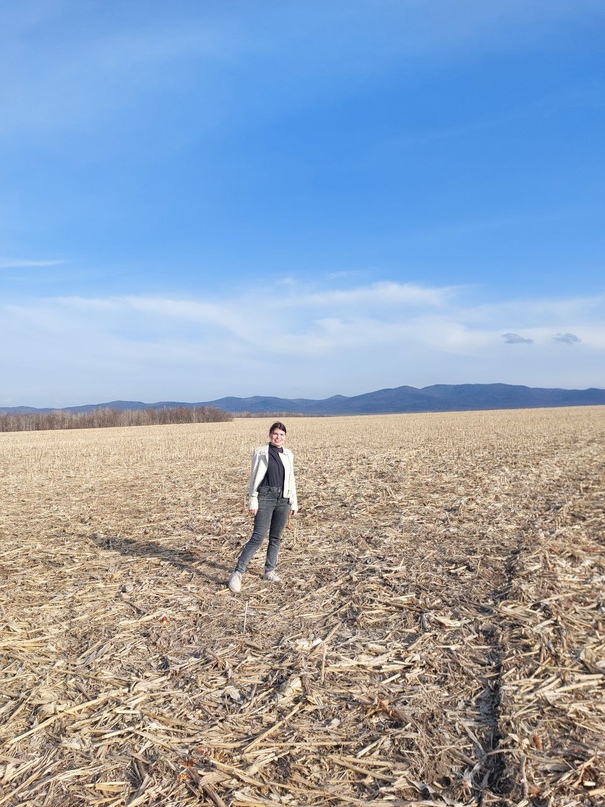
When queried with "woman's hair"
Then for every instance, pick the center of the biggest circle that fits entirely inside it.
(278, 425)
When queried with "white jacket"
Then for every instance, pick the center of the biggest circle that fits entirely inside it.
(260, 464)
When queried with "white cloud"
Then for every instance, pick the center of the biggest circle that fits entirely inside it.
(536, 312)
(78, 350)
(382, 294)
(5, 263)
(219, 315)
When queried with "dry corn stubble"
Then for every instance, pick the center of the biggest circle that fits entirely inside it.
(439, 638)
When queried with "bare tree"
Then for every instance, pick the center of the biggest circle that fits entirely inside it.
(105, 417)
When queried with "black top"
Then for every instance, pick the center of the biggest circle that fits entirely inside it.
(276, 471)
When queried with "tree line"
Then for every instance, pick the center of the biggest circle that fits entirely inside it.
(104, 418)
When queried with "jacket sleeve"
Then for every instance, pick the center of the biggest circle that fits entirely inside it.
(292, 490)
(256, 476)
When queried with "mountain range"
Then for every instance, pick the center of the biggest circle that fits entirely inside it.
(436, 398)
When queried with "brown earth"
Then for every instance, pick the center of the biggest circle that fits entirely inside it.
(438, 639)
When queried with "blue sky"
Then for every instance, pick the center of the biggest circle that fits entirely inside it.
(299, 198)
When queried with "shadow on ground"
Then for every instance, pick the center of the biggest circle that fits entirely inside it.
(183, 559)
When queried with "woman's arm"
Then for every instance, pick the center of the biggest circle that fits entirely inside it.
(257, 474)
(292, 486)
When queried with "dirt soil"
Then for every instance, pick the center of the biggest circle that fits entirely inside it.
(438, 637)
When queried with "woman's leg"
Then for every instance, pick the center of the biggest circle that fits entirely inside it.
(279, 520)
(262, 524)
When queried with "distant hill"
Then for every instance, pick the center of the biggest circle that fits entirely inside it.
(436, 398)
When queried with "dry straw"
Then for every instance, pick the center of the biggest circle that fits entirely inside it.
(439, 639)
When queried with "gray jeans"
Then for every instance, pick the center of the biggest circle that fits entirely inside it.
(271, 517)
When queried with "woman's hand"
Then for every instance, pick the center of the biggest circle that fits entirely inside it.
(253, 512)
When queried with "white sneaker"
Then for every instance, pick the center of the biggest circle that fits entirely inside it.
(235, 582)
(272, 577)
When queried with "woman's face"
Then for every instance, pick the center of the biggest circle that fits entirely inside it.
(277, 438)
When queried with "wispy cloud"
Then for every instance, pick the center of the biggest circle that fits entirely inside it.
(66, 68)
(382, 294)
(248, 343)
(28, 264)
(538, 312)
(92, 64)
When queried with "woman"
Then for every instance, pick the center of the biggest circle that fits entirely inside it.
(272, 500)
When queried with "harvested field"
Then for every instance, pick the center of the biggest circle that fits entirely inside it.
(440, 638)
